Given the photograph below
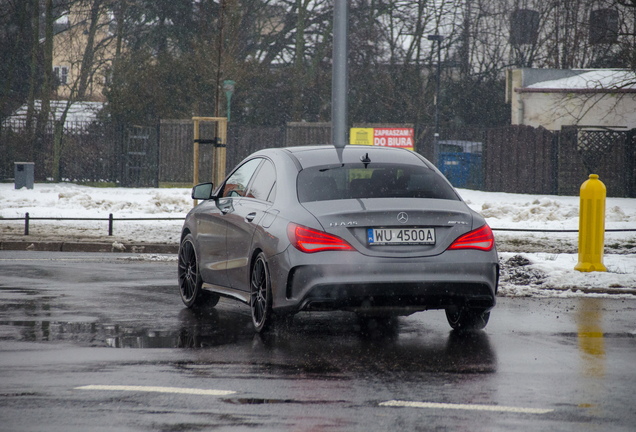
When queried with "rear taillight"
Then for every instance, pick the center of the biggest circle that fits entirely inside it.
(481, 239)
(310, 240)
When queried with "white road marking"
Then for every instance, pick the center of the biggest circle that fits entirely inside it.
(158, 389)
(496, 408)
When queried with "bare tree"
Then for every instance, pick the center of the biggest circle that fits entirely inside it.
(87, 56)
(33, 73)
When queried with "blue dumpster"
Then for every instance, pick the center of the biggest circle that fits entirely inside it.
(463, 170)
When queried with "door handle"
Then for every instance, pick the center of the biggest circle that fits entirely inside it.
(250, 217)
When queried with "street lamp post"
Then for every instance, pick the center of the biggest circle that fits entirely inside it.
(439, 39)
(228, 86)
(340, 72)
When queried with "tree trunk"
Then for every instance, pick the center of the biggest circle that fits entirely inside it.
(89, 51)
(47, 73)
(58, 147)
(299, 62)
(78, 91)
(33, 71)
(9, 78)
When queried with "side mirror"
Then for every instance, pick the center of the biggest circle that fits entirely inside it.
(202, 191)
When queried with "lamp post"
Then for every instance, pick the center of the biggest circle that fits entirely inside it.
(339, 74)
(439, 39)
(228, 86)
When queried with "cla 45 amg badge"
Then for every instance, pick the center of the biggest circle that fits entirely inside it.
(337, 224)
(457, 222)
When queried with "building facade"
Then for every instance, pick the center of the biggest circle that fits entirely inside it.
(553, 98)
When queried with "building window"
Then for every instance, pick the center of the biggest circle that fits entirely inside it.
(61, 73)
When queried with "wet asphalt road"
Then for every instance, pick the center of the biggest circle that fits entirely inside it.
(70, 322)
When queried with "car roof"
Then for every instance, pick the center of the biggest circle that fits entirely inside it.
(310, 156)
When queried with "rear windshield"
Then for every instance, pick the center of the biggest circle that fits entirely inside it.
(375, 181)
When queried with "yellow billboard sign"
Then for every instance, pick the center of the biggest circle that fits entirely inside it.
(383, 137)
(361, 136)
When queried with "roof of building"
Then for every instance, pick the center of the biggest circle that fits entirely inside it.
(79, 113)
(578, 81)
(592, 79)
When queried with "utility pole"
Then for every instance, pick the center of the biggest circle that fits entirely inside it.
(339, 74)
(217, 102)
(438, 39)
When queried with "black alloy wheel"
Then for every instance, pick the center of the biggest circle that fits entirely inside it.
(261, 294)
(190, 281)
(464, 318)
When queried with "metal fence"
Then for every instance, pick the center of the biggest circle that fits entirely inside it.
(610, 153)
(88, 151)
(518, 159)
(521, 159)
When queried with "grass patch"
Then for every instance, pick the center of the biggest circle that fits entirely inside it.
(174, 185)
(619, 246)
(98, 184)
(518, 242)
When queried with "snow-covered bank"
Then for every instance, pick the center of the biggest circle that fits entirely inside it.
(73, 201)
(549, 212)
(553, 275)
(549, 269)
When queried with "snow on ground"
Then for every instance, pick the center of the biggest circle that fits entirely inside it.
(506, 210)
(553, 275)
(522, 211)
(68, 200)
(537, 264)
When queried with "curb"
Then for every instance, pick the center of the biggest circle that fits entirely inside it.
(44, 246)
(618, 291)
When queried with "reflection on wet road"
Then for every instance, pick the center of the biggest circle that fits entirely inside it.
(76, 334)
(314, 343)
(591, 339)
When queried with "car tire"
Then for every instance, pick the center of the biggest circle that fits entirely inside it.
(261, 295)
(464, 318)
(190, 281)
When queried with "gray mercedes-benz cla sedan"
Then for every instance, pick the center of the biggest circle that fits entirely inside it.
(373, 230)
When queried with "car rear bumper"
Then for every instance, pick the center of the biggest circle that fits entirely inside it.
(350, 281)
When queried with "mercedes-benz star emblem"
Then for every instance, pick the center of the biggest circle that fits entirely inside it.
(403, 217)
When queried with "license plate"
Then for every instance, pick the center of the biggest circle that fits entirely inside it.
(401, 236)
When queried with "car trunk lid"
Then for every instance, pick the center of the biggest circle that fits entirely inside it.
(351, 219)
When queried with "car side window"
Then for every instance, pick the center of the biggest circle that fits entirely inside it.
(264, 182)
(236, 184)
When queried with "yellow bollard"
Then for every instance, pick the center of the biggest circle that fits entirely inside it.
(592, 226)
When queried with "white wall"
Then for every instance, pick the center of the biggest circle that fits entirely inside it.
(553, 110)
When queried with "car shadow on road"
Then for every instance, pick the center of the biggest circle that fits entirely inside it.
(334, 343)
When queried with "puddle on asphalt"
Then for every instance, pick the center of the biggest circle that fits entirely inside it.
(46, 331)
(324, 355)
(110, 335)
(318, 344)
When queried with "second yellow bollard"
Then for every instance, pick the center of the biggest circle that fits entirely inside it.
(592, 226)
